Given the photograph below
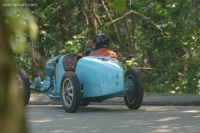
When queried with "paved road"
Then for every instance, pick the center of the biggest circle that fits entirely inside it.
(150, 99)
(113, 119)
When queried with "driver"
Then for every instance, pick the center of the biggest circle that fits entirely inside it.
(101, 42)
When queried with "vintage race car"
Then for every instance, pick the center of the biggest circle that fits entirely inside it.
(77, 80)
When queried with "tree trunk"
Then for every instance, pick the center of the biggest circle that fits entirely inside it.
(80, 4)
(12, 118)
(91, 18)
(196, 12)
(119, 41)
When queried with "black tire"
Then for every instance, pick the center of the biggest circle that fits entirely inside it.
(134, 89)
(70, 92)
(24, 84)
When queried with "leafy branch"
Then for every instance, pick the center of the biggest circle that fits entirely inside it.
(137, 13)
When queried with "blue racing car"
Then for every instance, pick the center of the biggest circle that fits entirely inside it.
(77, 80)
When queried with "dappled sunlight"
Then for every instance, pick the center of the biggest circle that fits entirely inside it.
(35, 113)
(173, 128)
(41, 121)
(155, 108)
(62, 131)
(137, 123)
(196, 116)
(168, 118)
(162, 131)
(108, 118)
(192, 111)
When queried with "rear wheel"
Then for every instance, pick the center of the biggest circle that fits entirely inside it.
(70, 92)
(134, 88)
(23, 85)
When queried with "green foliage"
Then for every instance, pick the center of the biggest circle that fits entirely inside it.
(21, 29)
(21, 24)
(74, 46)
(119, 5)
(131, 63)
(24, 61)
(174, 53)
(190, 81)
(159, 37)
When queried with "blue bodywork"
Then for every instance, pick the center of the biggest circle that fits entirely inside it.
(99, 76)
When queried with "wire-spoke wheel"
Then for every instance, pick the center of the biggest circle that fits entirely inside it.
(131, 88)
(134, 88)
(70, 92)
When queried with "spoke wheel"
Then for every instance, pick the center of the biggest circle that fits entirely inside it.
(134, 88)
(131, 89)
(70, 92)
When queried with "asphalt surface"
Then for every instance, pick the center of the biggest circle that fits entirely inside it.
(113, 119)
(149, 99)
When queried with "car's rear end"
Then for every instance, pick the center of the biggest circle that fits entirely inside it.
(100, 76)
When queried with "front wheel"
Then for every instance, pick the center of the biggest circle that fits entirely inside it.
(70, 92)
(134, 88)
